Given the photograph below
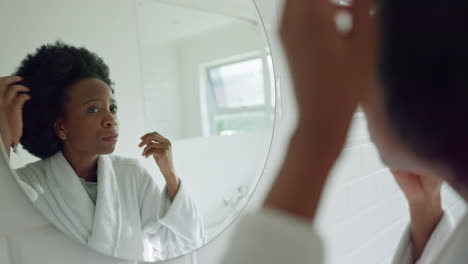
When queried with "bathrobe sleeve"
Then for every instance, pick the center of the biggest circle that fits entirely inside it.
(272, 237)
(172, 228)
(440, 235)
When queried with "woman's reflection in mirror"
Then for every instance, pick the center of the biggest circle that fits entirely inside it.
(60, 106)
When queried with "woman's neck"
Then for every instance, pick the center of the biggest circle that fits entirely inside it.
(85, 166)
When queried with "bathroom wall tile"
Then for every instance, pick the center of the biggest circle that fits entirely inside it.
(379, 247)
(357, 229)
(363, 192)
(386, 184)
(334, 205)
(370, 160)
(346, 169)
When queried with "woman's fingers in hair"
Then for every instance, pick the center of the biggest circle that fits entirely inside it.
(21, 100)
(9, 80)
(5, 82)
(14, 91)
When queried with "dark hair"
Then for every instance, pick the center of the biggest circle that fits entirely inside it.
(48, 73)
(424, 74)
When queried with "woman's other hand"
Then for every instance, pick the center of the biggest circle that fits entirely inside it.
(12, 99)
(423, 193)
(161, 149)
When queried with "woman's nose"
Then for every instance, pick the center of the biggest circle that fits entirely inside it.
(110, 121)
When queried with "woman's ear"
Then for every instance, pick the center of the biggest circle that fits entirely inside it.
(59, 128)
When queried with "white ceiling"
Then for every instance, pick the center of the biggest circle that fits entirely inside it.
(164, 21)
(244, 9)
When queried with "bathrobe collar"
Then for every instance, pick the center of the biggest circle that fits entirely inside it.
(97, 225)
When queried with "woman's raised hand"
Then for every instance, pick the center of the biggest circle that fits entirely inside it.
(161, 149)
(12, 99)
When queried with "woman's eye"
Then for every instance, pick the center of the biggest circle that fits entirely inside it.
(114, 109)
(93, 110)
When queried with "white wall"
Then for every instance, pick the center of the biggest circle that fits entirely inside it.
(162, 93)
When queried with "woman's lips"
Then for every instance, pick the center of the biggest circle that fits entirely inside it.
(112, 138)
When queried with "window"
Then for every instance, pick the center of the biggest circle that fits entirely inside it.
(240, 96)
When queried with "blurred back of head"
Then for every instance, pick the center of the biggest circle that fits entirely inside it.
(423, 69)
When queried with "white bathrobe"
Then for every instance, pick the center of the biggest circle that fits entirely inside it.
(436, 243)
(273, 237)
(132, 218)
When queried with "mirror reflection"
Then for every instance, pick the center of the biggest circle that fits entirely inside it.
(144, 137)
(216, 70)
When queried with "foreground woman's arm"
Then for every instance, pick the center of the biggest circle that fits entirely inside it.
(331, 73)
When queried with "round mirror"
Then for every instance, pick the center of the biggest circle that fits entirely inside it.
(150, 121)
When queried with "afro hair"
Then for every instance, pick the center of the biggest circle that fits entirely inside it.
(48, 73)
